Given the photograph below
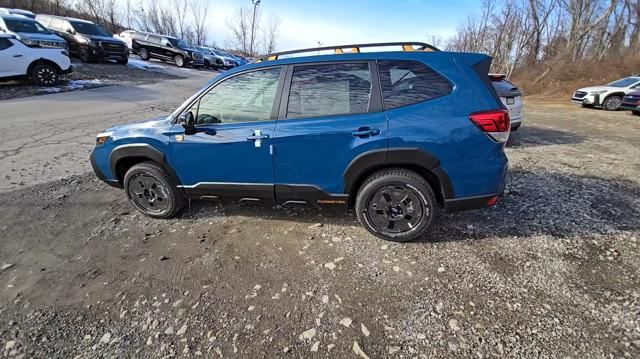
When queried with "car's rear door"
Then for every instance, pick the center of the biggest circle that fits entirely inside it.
(230, 154)
(330, 114)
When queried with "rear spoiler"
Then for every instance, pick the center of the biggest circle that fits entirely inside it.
(481, 66)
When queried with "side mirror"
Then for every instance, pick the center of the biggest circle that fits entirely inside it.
(188, 122)
(71, 31)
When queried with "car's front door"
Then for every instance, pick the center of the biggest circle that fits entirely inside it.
(13, 61)
(230, 154)
(333, 114)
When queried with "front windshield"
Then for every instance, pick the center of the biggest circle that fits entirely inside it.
(178, 43)
(26, 26)
(89, 29)
(624, 82)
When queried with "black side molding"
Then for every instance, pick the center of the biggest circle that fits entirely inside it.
(412, 156)
(139, 150)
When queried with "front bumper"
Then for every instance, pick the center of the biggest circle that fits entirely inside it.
(99, 52)
(99, 174)
(591, 100)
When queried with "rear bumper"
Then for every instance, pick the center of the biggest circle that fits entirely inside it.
(471, 203)
(99, 174)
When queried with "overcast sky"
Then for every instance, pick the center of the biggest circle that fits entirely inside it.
(332, 22)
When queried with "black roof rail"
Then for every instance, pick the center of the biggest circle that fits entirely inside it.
(355, 48)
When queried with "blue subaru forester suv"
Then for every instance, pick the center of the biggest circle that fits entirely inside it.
(396, 135)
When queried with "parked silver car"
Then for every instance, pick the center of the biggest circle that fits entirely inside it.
(510, 96)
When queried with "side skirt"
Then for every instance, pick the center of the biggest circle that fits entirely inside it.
(284, 194)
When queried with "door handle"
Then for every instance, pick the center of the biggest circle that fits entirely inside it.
(257, 138)
(17, 55)
(366, 132)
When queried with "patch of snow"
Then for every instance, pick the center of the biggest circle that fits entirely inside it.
(143, 65)
(72, 85)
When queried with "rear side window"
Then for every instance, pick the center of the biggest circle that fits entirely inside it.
(405, 82)
(5, 44)
(331, 89)
(504, 86)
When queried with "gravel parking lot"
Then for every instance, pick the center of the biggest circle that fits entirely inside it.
(552, 271)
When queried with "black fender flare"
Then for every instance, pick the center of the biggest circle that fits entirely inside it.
(620, 94)
(413, 156)
(139, 150)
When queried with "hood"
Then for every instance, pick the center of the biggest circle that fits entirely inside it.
(600, 88)
(45, 37)
(151, 123)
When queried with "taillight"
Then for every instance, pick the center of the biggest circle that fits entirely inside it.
(494, 123)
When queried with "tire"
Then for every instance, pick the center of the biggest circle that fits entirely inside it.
(144, 54)
(206, 64)
(123, 61)
(153, 191)
(611, 103)
(85, 54)
(635, 112)
(44, 75)
(178, 60)
(401, 191)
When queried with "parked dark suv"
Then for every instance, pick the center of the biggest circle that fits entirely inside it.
(88, 41)
(395, 135)
(166, 48)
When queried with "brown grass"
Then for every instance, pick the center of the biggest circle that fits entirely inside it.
(559, 78)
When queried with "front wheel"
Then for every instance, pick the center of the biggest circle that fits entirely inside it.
(85, 54)
(636, 112)
(396, 205)
(123, 61)
(178, 60)
(611, 103)
(44, 75)
(153, 191)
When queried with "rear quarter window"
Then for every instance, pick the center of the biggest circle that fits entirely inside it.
(406, 82)
(5, 44)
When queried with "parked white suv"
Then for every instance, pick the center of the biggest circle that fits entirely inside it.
(43, 66)
(609, 96)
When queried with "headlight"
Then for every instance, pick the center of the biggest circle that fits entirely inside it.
(31, 43)
(597, 92)
(101, 139)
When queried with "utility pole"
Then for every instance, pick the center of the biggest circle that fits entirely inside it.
(253, 25)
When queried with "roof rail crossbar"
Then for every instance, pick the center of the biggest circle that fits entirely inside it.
(356, 48)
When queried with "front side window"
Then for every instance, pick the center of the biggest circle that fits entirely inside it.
(243, 98)
(5, 44)
(332, 89)
(405, 82)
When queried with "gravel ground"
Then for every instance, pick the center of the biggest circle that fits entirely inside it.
(93, 75)
(552, 271)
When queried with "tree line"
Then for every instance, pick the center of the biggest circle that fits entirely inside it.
(251, 33)
(525, 33)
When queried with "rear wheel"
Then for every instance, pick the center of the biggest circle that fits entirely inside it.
(44, 75)
(144, 54)
(611, 103)
(153, 191)
(396, 205)
(178, 60)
